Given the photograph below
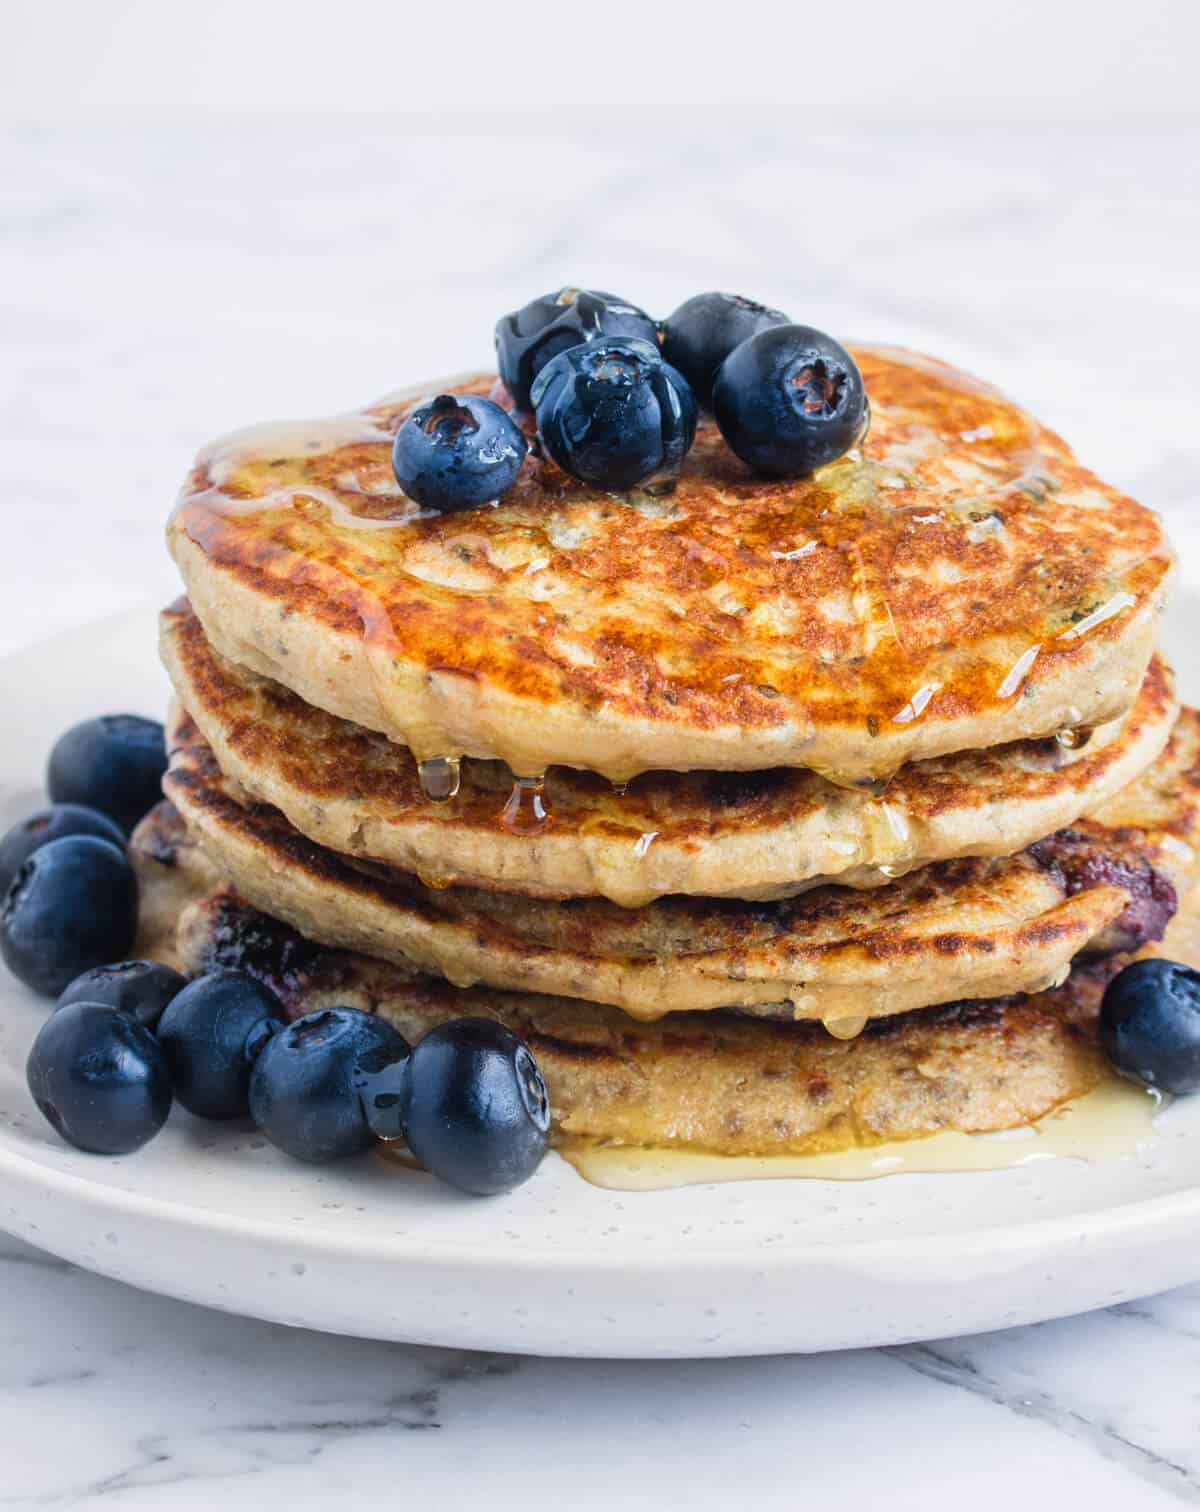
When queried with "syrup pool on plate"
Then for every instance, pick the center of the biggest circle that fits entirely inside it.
(1113, 1121)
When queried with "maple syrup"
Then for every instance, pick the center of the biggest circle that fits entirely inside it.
(846, 1028)
(525, 812)
(440, 778)
(1114, 1121)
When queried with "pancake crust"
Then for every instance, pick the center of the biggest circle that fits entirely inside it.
(754, 835)
(714, 1081)
(958, 583)
(966, 928)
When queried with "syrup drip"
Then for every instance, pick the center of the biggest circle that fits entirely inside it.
(844, 1028)
(440, 778)
(525, 812)
(619, 789)
(1073, 740)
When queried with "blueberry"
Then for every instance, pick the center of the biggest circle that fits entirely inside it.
(1150, 1024)
(114, 764)
(48, 824)
(140, 988)
(213, 1032)
(457, 452)
(703, 331)
(527, 339)
(307, 1091)
(790, 400)
(615, 414)
(100, 1078)
(478, 1109)
(72, 905)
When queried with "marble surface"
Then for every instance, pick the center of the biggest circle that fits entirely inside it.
(159, 284)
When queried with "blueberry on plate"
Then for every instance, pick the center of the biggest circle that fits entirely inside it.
(307, 1090)
(140, 988)
(703, 331)
(114, 764)
(478, 1109)
(48, 824)
(100, 1078)
(457, 452)
(614, 414)
(213, 1032)
(790, 400)
(1150, 1024)
(72, 905)
(528, 338)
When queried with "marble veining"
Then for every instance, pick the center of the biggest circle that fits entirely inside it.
(167, 1405)
(164, 285)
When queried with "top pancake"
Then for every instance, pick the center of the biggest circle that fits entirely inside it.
(958, 582)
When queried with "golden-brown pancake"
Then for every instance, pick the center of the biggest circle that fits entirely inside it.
(959, 582)
(712, 1081)
(757, 835)
(977, 927)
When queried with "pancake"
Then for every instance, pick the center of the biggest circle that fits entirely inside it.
(714, 1081)
(748, 835)
(977, 927)
(958, 583)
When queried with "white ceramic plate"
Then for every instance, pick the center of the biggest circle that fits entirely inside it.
(218, 1217)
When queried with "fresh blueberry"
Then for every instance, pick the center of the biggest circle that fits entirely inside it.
(49, 824)
(615, 414)
(114, 764)
(140, 988)
(527, 339)
(308, 1088)
(383, 1090)
(72, 905)
(790, 400)
(703, 331)
(100, 1078)
(1150, 1024)
(478, 1109)
(457, 452)
(213, 1032)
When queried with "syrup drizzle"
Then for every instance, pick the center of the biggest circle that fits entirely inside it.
(440, 778)
(1018, 672)
(1115, 605)
(525, 812)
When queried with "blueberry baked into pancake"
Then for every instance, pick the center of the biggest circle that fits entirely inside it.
(699, 736)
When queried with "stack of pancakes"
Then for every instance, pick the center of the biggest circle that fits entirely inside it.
(779, 817)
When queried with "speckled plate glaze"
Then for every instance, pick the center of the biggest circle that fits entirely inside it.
(213, 1215)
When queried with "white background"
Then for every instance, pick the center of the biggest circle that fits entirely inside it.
(929, 60)
(212, 213)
